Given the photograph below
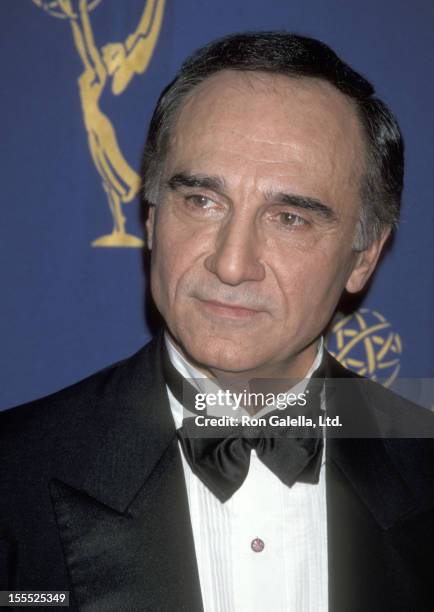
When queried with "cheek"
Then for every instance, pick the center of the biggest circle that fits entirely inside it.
(176, 254)
(163, 263)
(312, 283)
(165, 274)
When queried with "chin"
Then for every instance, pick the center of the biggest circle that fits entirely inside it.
(220, 355)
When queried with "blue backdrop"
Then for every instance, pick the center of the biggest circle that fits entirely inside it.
(77, 93)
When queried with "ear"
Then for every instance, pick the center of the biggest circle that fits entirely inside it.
(150, 222)
(365, 264)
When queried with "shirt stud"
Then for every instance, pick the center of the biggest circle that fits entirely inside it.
(257, 545)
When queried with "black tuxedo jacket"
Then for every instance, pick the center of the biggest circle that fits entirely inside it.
(93, 500)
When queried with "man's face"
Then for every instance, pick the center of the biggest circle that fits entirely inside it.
(252, 235)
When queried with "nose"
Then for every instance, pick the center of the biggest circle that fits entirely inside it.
(235, 258)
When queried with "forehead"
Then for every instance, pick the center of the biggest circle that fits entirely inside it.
(269, 124)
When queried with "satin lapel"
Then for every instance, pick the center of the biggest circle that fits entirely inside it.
(139, 560)
(123, 516)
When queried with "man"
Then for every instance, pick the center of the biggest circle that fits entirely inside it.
(273, 177)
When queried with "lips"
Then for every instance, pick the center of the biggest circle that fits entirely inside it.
(228, 310)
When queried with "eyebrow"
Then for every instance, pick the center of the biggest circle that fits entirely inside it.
(217, 184)
(201, 181)
(304, 203)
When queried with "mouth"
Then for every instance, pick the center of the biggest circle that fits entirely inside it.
(231, 311)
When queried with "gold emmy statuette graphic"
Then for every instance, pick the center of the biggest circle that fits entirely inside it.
(114, 64)
(366, 343)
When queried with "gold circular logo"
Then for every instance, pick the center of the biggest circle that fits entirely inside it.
(366, 343)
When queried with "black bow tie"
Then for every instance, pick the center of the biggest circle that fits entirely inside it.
(222, 461)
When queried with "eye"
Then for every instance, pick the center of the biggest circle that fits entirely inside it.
(200, 206)
(200, 201)
(290, 220)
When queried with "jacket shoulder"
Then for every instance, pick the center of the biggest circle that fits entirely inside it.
(388, 406)
(72, 410)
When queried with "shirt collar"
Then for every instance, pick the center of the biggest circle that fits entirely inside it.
(189, 371)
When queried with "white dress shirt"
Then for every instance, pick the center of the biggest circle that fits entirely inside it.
(290, 574)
